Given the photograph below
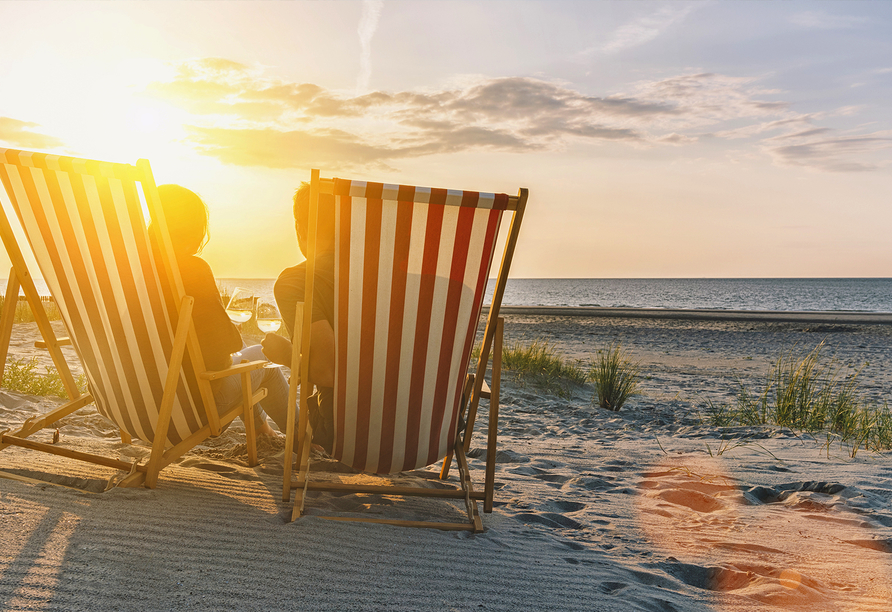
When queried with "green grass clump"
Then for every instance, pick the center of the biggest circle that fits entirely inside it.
(539, 364)
(809, 393)
(615, 377)
(803, 392)
(20, 375)
(23, 313)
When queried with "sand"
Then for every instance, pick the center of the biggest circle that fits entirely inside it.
(645, 509)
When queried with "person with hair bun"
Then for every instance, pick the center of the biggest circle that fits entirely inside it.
(186, 216)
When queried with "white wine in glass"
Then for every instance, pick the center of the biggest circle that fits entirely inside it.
(241, 305)
(268, 318)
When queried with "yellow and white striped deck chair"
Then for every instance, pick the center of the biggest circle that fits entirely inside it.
(411, 268)
(128, 317)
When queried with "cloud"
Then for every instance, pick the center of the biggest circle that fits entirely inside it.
(821, 20)
(789, 124)
(677, 139)
(336, 149)
(244, 116)
(819, 150)
(20, 134)
(371, 13)
(643, 29)
(708, 98)
(287, 149)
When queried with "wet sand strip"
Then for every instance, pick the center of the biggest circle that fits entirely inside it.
(771, 316)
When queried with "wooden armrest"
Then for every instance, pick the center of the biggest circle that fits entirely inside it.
(236, 369)
(485, 391)
(41, 344)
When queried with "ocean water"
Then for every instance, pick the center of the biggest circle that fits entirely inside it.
(785, 294)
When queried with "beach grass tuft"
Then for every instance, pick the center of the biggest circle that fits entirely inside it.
(539, 364)
(615, 377)
(809, 393)
(21, 376)
(23, 313)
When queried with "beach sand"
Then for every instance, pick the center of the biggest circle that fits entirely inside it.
(645, 509)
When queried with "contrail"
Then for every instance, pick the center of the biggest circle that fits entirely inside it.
(371, 12)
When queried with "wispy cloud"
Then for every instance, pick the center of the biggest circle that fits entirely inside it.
(245, 117)
(708, 98)
(786, 125)
(643, 29)
(21, 134)
(821, 20)
(371, 13)
(820, 149)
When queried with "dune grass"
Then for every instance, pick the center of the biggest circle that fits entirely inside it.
(23, 313)
(538, 363)
(21, 376)
(806, 392)
(615, 377)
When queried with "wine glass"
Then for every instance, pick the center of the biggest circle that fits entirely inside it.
(241, 305)
(268, 318)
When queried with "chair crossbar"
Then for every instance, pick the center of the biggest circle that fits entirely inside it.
(70, 453)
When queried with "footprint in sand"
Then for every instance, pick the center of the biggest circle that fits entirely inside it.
(787, 546)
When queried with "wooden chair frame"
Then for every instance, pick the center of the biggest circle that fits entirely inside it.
(184, 340)
(474, 389)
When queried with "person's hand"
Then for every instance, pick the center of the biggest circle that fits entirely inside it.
(277, 349)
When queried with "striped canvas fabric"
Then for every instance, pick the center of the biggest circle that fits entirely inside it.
(85, 224)
(411, 270)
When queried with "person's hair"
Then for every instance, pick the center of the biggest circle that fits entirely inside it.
(187, 218)
(325, 220)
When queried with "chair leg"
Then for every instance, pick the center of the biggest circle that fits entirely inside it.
(248, 418)
(466, 394)
(489, 483)
(292, 416)
(303, 474)
(447, 463)
(8, 317)
(467, 487)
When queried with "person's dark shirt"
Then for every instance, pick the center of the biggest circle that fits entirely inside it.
(217, 335)
(289, 291)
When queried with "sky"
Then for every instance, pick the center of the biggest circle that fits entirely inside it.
(657, 139)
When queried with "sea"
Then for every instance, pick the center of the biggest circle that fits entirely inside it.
(781, 294)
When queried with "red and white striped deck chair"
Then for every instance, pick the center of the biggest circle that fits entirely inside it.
(411, 268)
(128, 318)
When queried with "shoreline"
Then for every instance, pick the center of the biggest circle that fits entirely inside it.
(704, 314)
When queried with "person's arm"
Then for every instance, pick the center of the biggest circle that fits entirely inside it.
(278, 350)
(289, 291)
